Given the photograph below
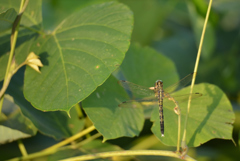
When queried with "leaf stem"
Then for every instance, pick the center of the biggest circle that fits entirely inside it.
(179, 130)
(69, 140)
(128, 153)
(93, 137)
(78, 107)
(22, 148)
(13, 41)
(184, 145)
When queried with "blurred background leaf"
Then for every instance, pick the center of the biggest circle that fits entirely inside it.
(54, 124)
(13, 124)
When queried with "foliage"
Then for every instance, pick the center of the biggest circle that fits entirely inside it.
(85, 49)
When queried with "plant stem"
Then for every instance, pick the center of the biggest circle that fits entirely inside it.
(44, 152)
(194, 74)
(22, 148)
(127, 153)
(179, 130)
(32, 156)
(78, 107)
(13, 41)
(69, 140)
(93, 137)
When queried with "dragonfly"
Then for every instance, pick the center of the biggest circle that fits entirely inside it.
(157, 95)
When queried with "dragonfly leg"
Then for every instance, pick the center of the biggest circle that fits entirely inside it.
(176, 108)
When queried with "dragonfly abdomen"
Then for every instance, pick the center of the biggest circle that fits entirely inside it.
(159, 90)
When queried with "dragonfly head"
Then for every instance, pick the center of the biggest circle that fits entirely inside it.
(159, 82)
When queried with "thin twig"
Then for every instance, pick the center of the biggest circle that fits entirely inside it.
(127, 153)
(13, 41)
(72, 138)
(184, 146)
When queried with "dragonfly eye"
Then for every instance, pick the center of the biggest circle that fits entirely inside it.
(159, 81)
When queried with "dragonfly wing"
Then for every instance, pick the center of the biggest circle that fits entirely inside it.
(184, 97)
(136, 89)
(135, 103)
(180, 84)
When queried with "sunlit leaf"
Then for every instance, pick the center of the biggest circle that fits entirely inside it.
(109, 119)
(78, 56)
(211, 116)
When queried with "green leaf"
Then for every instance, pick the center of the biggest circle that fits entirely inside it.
(14, 125)
(143, 66)
(55, 12)
(179, 48)
(211, 116)
(78, 56)
(55, 124)
(109, 119)
(6, 19)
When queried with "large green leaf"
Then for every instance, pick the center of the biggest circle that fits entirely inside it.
(55, 12)
(13, 124)
(109, 119)
(211, 116)
(78, 56)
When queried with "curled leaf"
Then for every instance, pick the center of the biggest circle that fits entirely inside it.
(34, 62)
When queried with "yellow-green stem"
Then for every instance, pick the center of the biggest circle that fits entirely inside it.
(10, 59)
(127, 153)
(44, 153)
(69, 140)
(195, 72)
(32, 156)
(78, 109)
(179, 130)
(93, 137)
(22, 148)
